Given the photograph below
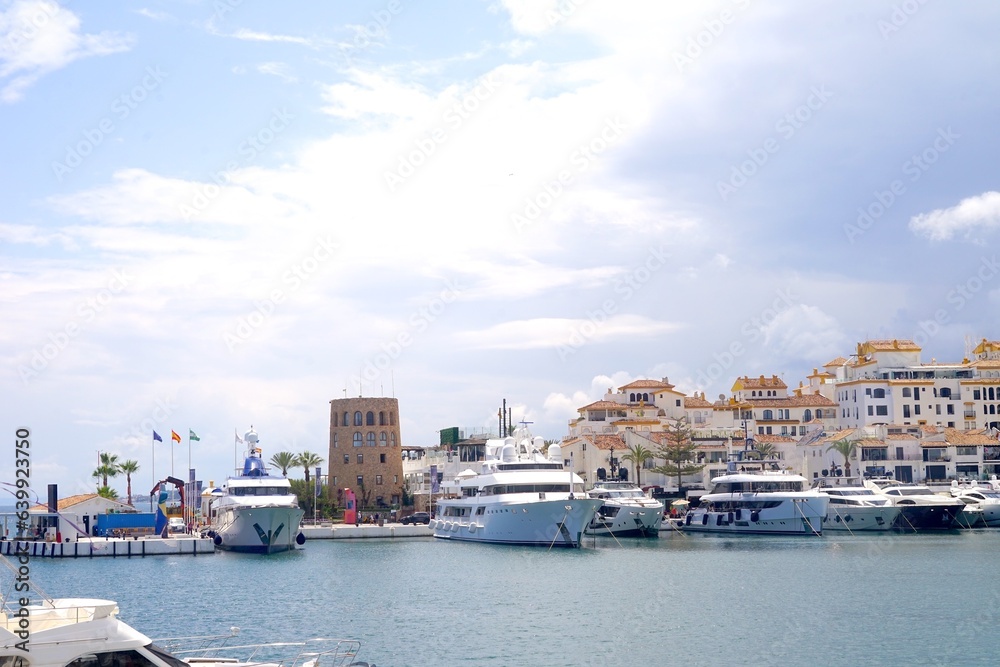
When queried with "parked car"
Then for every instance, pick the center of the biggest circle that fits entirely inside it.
(175, 524)
(417, 517)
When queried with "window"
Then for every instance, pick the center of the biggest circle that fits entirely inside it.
(381, 418)
(395, 479)
(357, 439)
(879, 393)
(906, 392)
(361, 480)
(347, 459)
(950, 409)
(336, 417)
(868, 391)
(371, 438)
(370, 418)
(361, 459)
(678, 402)
(335, 444)
(378, 479)
(357, 418)
(965, 451)
(381, 458)
(976, 395)
(382, 439)
(768, 414)
(906, 411)
(881, 410)
(345, 421)
(392, 439)
(871, 410)
(916, 409)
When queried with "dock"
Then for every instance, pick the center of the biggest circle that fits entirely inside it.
(346, 531)
(111, 547)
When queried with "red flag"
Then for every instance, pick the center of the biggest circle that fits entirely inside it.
(174, 436)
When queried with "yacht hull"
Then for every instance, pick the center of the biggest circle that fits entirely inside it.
(628, 521)
(855, 519)
(799, 516)
(548, 523)
(928, 517)
(259, 530)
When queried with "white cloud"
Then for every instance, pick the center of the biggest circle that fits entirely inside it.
(554, 332)
(979, 213)
(40, 36)
(804, 333)
(281, 70)
(33, 236)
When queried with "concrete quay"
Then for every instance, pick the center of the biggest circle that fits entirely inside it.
(112, 547)
(346, 531)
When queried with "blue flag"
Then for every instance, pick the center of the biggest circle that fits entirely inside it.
(156, 436)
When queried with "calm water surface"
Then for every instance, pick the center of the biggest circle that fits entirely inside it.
(681, 600)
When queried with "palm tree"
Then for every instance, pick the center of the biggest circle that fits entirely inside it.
(107, 492)
(638, 455)
(109, 466)
(128, 468)
(766, 450)
(102, 472)
(284, 461)
(847, 449)
(307, 460)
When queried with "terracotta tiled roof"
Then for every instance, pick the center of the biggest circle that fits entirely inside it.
(955, 436)
(70, 501)
(839, 361)
(602, 405)
(773, 382)
(646, 384)
(891, 344)
(807, 401)
(696, 402)
(607, 441)
(774, 438)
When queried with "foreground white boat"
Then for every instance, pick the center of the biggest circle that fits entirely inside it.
(626, 512)
(86, 632)
(982, 505)
(855, 507)
(759, 503)
(919, 507)
(518, 497)
(255, 512)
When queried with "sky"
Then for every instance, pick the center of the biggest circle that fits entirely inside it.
(218, 214)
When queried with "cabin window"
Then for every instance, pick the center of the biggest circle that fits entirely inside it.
(113, 659)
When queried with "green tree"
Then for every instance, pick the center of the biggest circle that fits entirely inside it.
(765, 450)
(847, 449)
(283, 461)
(307, 461)
(679, 452)
(638, 455)
(108, 467)
(129, 468)
(102, 473)
(107, 492)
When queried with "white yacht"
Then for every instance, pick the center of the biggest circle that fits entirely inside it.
(984, 499)
(855, 507)
(762, 502)
(626, 512)
(919, 507)
(254, 512)
(519, 496)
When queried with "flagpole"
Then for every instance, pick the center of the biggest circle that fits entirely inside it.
(152, 466)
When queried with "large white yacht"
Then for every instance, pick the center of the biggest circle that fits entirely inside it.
(762, 502)
(254, 512)
(982, 498)
(626, 512)
(919, 507)
(855, 507)
(519, 496)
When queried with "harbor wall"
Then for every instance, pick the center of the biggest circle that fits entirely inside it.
(110, 548)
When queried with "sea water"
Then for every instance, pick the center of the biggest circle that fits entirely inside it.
(891, 599)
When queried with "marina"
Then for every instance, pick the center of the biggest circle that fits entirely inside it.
(395, 595)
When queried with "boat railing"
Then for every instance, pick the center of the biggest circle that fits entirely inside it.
(319, 652)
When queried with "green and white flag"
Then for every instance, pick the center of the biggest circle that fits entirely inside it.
(193, 436)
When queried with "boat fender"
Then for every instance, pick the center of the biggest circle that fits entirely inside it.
(217, 540)
(739, 514)
(754, 516)
(730, 518)
(300, 539)
(718, 520)
(687, 520)
(704, 519)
